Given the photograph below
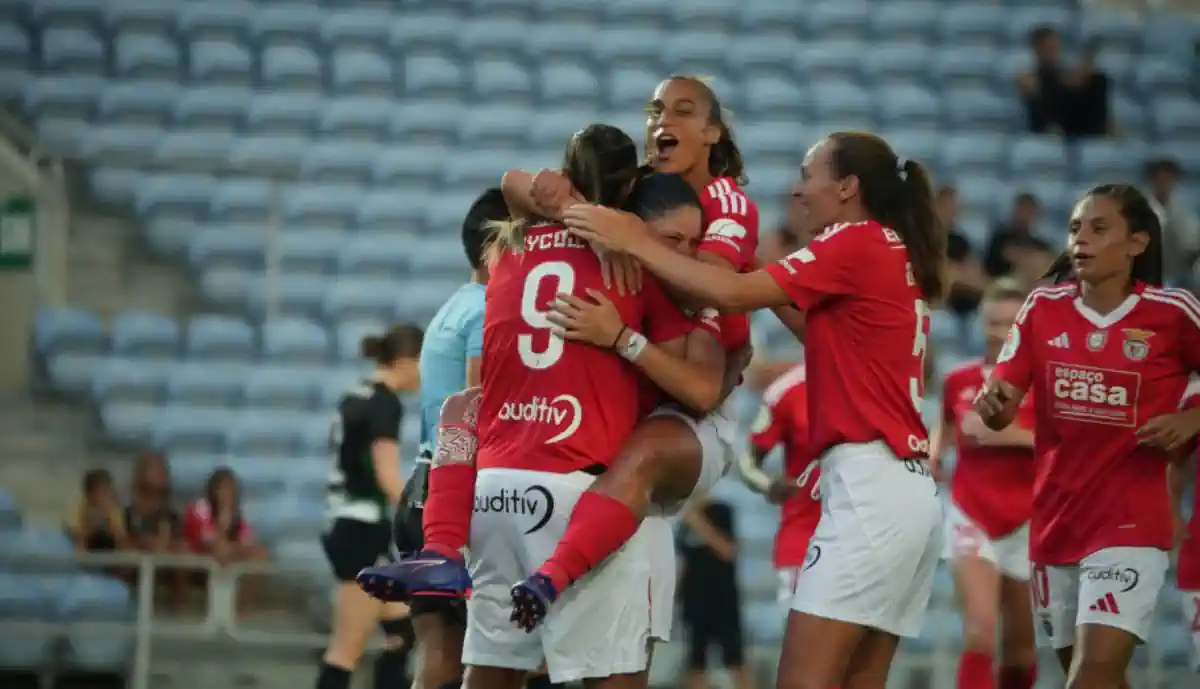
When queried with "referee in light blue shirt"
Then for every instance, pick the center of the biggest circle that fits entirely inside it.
(449, 363)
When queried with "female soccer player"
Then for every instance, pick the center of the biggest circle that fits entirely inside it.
(865, 285)
(1187, 570)
(1106, 352)
(987, 526)
(364, 484)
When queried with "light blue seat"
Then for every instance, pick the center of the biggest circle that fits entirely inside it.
(278, 21)
(556, 40)
(638, 12)
(220, 61)
(776, 96)
(349, 336)
(227, 246)
(228, 286)
(212, 107)
(446, 211)
(279, 387)
(914, 20)
(37, 547)
(424, 32)
(694, 49)
(285, 517)
(552, 128)
(568, 85)
(627, 46)
(298, 294)
(417, 301)
(971, 25)
(432, 76)
(426, 121)
(964, 155)
(1169, 34)
(147, 16)
(14, 79)
(477, 168)
(765, 54)
(194, 429)
(774, 141)
(980, 195)
(234, 200)
(896, 62)
(384, 255)
(359, 298)
(908, 105)
(294, 339)
(1120, 31)
(183, 147)
(72, 49)
(706, 14)
(219, 337)
(337, 160)
(1036, 156)
(261, 476)
(391, 211)
(266, 433)
(1109, 160)
(144, 334)
(491, 38)
(1131, 113)
(320, 205)
(190, 471)
(965, 66)
(268, 152)
(829, 60)
(499, 126)
(62, 96)
(205, 384)
(93, 597)
(10, 512)
(364, 116)
(74, 373)
(141, 100)
(770, 16)
(22, 596)
(500, 80)
(833, 101)
(845, 19)
(226, 18)
(1176, 118)
(128, 423)
(130, 381)
(310, 250)
(68, 331)
(919, 144)
(173, 193)
(287, 65)
(357, 70)
(100, 653)
(15, 48)
(140, 55)
(356, 25)
(114, 185)
(981, 110)
(113, 141)
(24, 649)
(441, 255)
(630, 87)
(282, 112)
(944, 328)
(1157, 76)
(1022, 21)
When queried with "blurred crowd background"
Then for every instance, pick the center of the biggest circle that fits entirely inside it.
(209, 202)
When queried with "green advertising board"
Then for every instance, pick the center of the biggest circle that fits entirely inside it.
(16, 234)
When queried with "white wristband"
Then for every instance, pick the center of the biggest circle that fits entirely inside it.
(631, 350)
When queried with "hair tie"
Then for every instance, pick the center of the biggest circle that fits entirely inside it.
(901, 171)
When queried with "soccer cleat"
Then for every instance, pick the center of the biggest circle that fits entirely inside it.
(416, 575)
(531, 600)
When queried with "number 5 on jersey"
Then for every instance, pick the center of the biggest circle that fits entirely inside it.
(535, 316)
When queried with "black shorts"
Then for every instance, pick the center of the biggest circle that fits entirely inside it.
(410, 538)
(727, 637)
(352, 545)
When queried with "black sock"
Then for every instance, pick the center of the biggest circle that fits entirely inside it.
(391, 669)
(333, 677)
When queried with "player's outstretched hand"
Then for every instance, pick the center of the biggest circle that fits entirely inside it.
(1169, 432)
(605, 227)
(993, 397)
(595, 322)
(551, 192)
(621, 272)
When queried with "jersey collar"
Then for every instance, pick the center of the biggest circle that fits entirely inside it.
(1107, 320)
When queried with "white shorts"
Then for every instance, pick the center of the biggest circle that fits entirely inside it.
(1191, 618)
(872, 558)
(717, 434)
(1114, 587)
(664, 576)
(598, 628)
(965, 538)
(788, 579)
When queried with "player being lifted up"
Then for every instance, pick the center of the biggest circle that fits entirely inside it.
(1106, 352)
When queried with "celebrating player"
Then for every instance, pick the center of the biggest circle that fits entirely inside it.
(1106, 353)
(988, 518)
(364, 484)
(865, 286)
(783, 421)
(1188, 567)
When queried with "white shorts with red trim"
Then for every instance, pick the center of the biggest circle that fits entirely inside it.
(717, 435)
(965, 538)
(1113, 587)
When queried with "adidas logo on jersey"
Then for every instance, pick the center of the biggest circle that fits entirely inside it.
(1060, 342)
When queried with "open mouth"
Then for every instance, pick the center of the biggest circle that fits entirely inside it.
(664, 144)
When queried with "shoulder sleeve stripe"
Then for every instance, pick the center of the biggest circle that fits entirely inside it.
(776, 390)
(1051, 292)
(1182, 299)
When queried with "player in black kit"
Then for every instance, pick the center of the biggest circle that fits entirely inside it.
(364, 484)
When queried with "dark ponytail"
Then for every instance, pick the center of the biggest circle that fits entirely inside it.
(400, 342)
(897, 193)
(601, 162)
(1139, 215)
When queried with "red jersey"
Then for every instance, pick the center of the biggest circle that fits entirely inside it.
(992, 485)
(548, 404)
(200, 528)
(1189, 552)
(783, 420)
(865, 338)
(1097, 378)
(731, 232)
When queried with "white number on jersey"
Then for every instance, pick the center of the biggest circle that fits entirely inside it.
(916, 384)
(535, 316)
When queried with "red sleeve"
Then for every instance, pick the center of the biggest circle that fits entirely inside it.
(766, 431)
(193, 526)
(732, 233)
(824, 268)
(664, 320)
(1015, 363)
(1027, 414)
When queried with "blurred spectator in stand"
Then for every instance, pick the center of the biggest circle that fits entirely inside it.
(1070, 102)
(214, 526)
(712, 609)
(1181, 226)
(967, 279)
(94, 521)
(153, 524)
(1015, 249)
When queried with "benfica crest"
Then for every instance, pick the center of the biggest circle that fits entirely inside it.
(1136, 346)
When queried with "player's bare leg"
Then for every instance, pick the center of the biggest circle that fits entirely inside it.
(1018, 649)
(440, 649)
(977, 582)
(817, 651)
(871, 661)
(1100, 658)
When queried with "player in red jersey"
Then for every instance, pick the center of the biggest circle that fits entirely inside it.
(987, 524)
(783, 421)
(1106, 353)
(864, 286)
(1187, 569)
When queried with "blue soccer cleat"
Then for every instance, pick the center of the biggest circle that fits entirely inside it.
(419, 574)
(531, 600)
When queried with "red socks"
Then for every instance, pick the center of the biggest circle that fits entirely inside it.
(1018, 677)
(598, 527)
(975, 671)
(446, 522)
